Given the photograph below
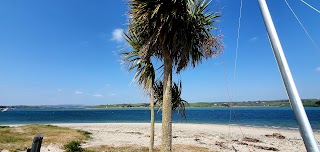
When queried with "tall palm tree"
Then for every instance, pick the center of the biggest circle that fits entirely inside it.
(145, 77)
(178, 32)
(177, 102)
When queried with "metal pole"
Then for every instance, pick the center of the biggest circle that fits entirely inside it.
(299, 112)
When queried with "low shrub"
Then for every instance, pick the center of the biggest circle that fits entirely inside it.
(85, 133)
(74, 146)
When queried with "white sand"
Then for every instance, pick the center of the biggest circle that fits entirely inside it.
(51, 148)
(214, 137)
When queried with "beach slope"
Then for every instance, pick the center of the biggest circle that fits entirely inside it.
(209, 136)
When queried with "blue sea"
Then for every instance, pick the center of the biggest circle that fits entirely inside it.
(273, 117)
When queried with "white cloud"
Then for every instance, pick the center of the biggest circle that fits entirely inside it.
(255, 38)
(78, 92)
(117, 35)
(98, 95)
(112, 94)
(318, 69)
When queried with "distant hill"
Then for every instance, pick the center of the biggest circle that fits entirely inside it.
(274, 103)
(45, 106)
(136, 105)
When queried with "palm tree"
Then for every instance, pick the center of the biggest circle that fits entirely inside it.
(178, 32)
(177, 102)
(145, 77)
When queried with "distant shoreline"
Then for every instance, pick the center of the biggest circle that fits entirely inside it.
(273, 103)
(260, 103)
(128, 108)
(202, 107)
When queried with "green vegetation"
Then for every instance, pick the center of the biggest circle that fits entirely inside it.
(178, 33)
(138, 105)
(144, 76)
(311, 102)
(274, 103)
(19, 138)
(177, 103)
(73, 146)
(85, 133)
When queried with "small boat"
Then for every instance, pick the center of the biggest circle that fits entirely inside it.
(4, 109)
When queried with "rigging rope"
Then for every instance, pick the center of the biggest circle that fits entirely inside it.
(301, 24)
(237, 47)
(235, 60)
(231, 97)
(310, 6)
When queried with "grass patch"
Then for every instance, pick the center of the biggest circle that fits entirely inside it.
(85, 133)
(4, 127)
(73, 146)
(20, 138)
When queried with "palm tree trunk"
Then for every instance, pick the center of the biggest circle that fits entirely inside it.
(152, 120)
(166, 145)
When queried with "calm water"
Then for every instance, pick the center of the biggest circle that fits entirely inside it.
(276, 117)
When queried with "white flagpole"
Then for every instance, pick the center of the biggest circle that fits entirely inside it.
(299, 112)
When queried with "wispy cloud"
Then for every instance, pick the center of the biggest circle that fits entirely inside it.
(253, 39)
(117, 35)
(318, 69)
(59, 90)
(78, 92)
(98, 95)
(112, 94)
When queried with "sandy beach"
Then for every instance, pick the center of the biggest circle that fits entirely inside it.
(214, 137)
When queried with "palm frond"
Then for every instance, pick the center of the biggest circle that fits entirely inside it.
(145, 73)
(183, 26)
(178, 104)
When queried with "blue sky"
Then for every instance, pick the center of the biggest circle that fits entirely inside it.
(65, 52)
